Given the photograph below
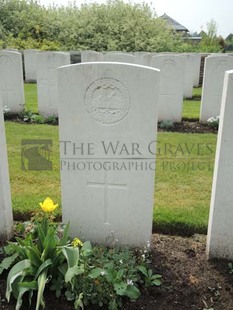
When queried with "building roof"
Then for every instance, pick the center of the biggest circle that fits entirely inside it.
(174, 24)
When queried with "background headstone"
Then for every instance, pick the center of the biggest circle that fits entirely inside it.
(171, 86)
(220, 232)
(30, 64)
(91, 56)
(6, 218)
(103, 104)
(215, 68)
(47, 92)
(188, 75)
(142, 58)
(119, 57)
(197, 67)
(11, 81)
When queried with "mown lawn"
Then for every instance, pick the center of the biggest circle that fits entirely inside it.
(191, 108)
(30, 91)
(183, 182)
(182, 195)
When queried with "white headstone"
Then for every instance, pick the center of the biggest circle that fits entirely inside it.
(46, 72)
(6, 218)
(119, 57)
(215, 68)
(107, 194)
(91, 56)
(188, 75)
(197, 67)
(11, 81)
(142, 58)
(171, 86)
(30, 63)
(220, 232)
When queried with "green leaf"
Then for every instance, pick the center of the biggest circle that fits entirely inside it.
(45, 264)
(7, 262)
(143, 270)
(71, 272)
(41, 235)
(156, 282)
(87, 249)
(34, 255)
(16, 271)
(150, 273)
(42, 279)
(78, 302)
(22, 290)
(50, 244)
(95, 273)
(72, 256)
(33, 285)
(120, 274)
(120, 288)
(132, 292)
(63, 269)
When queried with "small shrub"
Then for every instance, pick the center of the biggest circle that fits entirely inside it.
(166, 124)
(38, 119)
(213, 122)
(52, 119)
(26, 116)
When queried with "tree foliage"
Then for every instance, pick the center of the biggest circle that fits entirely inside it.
(211, 42)
(112, 26)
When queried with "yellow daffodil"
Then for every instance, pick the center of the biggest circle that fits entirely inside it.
(76, 242)
(48, 205)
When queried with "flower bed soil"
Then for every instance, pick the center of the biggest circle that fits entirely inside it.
(189, 280)
(190, 126)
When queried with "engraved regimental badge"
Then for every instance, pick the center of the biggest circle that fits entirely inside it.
(107, 101)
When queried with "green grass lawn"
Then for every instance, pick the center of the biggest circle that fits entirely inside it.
(31, 187)
(191, 108)
(183, 182)
(30, 91)
(183, 177)
(181, 197)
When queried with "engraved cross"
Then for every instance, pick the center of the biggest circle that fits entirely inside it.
(106, 185)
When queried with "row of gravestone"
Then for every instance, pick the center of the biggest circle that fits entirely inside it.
(179, 73)
(107, 153)
(178, 76)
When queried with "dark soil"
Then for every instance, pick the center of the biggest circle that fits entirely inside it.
(190, 126)
(189, 280)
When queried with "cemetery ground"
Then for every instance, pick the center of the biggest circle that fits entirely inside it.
(184, 172)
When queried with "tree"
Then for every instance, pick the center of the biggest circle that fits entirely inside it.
(102, 27)
(210, 42)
